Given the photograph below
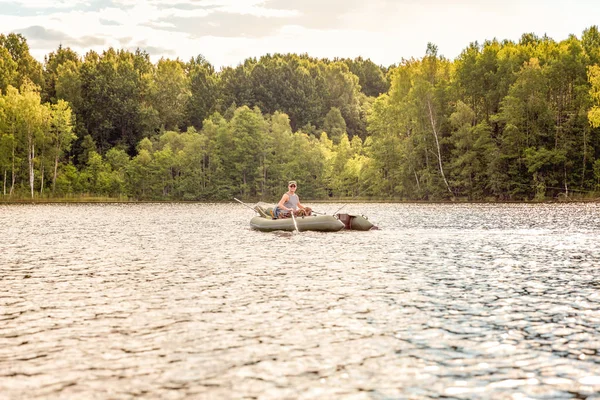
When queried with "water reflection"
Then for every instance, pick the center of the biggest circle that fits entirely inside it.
(184, 300)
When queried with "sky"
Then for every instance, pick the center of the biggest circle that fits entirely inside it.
(226, 32)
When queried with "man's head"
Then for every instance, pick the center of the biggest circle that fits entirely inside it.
(292, 185)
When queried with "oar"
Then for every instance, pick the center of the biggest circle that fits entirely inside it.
(244, 204)
(294, 219)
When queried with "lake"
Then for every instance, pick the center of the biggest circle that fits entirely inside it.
(185, 301)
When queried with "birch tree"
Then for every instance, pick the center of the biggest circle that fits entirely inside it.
(30, 117)
(428, 97)
(8, 144)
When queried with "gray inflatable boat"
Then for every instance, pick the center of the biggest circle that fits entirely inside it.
(319, 223)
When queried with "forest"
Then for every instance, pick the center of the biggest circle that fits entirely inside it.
(504, 121)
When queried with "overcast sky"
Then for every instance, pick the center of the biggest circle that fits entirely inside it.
(226, 32)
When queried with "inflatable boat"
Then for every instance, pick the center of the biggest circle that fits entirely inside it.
(265, 222)
(319, 223)
(355, 222)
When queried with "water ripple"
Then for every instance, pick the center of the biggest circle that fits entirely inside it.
(185, 301)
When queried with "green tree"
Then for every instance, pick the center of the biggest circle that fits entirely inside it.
(138, 184)
(342, 92)
(28, 68)
(388, 125)
(334, 125)
(28, 119)
(194, 169)
(7, 156)
(371, 77)
(235, 86)
(478, 77)
(163, 172)
(87, 146)
(52, 62)
(69, 180)
(171, 92)
(7, 145)
(594, 79)
(428, 95)
(115, 97)
(590, 40)
(305, 164)
(248, 130)
(339, 177)
(67, 84)
(117, 159)
(204, 92)
(8, 70)
(568, 102)
(410, 129)
(97, 171)
(541, 163)
(473, 151)
(61, 133)
(215, 179)
(278, 151)
(527, 120)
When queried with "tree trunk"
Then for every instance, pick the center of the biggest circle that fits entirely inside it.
(584, 154)
(55, 172)
(42, 180)
(566, 184)
(42, 172)
(30, 156)
(12, 174)
(437, 143)
(203, 169)
(264, 182)
(417, 179)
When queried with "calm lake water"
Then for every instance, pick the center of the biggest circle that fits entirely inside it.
(185, 301)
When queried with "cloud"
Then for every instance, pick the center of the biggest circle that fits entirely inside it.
(202, 8)
(109, 22)
(154, 51)
(42, 41)
(202, 3)
(46, 4)
(258, 11)
(226, 25)
(167, 13)
(87, 41)
(39, 33)
(228, 31)
(320, 14)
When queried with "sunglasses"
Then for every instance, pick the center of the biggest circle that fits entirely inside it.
(292, 185)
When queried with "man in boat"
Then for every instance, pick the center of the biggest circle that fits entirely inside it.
(291, 202)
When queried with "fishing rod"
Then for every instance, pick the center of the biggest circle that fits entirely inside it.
(339, 209)
(320, 213)
(244, 204)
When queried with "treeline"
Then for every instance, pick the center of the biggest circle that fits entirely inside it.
(503, 121)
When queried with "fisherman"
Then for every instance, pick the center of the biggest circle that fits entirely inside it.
(291, 202)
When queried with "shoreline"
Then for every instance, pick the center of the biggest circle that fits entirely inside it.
(104, 200)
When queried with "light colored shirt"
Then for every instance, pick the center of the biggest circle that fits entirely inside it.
(292, 202)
